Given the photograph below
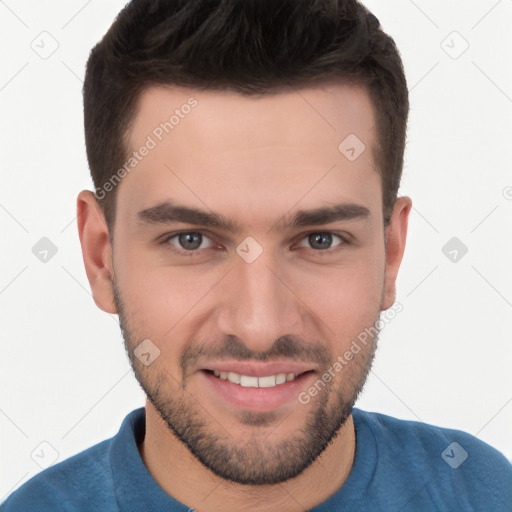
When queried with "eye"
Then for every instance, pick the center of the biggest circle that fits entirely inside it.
(322, 240)
(188, 241)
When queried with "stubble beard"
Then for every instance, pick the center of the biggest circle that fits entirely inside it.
(256, 459)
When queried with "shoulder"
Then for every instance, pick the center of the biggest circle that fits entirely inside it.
(85, 481)
(445, 461)
(80, 482)
(425, 439)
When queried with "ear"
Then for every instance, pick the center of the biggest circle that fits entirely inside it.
(396, 234)
(96, 250)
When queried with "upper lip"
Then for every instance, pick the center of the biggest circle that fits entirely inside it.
(255, 369)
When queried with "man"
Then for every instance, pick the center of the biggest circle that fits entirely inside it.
(245, 227)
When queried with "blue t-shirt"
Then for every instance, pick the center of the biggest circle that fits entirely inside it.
(399, 466)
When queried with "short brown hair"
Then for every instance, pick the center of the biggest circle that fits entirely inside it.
(247, 46)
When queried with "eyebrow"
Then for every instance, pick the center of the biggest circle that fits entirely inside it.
(167, 212)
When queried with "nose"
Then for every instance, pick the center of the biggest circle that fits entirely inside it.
(257, 303)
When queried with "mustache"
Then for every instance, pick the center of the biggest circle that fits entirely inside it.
(232, 348)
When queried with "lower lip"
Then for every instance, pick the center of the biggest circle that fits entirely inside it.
(257, 399)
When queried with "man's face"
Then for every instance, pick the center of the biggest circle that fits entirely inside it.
(268, 299)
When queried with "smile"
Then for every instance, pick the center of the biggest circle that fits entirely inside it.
(264, 392)
(247, 381)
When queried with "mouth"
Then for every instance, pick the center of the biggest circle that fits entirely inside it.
(268, 391)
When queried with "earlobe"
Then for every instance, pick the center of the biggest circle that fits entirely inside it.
(96, 250)
(396, 235)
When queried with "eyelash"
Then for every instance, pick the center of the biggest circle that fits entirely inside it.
(344, 241)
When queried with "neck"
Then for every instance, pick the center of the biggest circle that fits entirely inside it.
(183, 477)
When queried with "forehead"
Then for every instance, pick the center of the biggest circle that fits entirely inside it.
(320, 114)
(220, 149)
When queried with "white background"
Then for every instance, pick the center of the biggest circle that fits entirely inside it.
(446, 359)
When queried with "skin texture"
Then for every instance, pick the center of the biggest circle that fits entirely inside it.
(257, 161)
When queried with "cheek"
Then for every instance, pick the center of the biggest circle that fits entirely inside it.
(159, 298)
(346, 297)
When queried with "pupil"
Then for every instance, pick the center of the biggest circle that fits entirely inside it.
(187, 240)
(315, 238)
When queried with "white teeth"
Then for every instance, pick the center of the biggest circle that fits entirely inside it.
(246, 381)
(234, 377)
(267, 382)
(280, 378)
